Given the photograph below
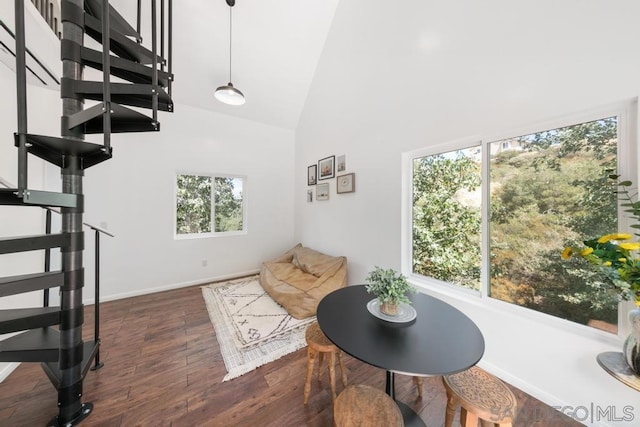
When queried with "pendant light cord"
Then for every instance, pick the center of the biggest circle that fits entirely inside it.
(228, 94)
(230, 35)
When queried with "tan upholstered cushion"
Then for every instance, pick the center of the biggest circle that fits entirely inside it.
(313, 262)
(301, 277)
(287, 256)
(292, 275)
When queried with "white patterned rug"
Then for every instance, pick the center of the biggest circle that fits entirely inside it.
(252, 329)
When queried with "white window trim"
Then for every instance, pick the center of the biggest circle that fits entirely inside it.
(218, 234)
(628, 159)
(406, 249)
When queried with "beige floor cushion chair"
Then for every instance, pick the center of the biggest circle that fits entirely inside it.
(301, 277)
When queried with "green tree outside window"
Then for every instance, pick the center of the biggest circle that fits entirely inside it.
(200, 197)
(546, 190)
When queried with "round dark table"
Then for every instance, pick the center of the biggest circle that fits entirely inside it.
(441, 341)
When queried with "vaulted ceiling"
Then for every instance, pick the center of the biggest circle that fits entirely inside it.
(276, 46)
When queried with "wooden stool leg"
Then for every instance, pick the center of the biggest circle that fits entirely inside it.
(320, 358)
(451, 410)
(467, 419)
(332, 374)
(485, 423)
(342, 370)
(418, 382)
(311, 355)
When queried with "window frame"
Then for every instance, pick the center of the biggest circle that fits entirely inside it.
(407, 239)
(626, 111)
(212, 233)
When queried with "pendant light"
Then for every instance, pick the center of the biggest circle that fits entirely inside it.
(229, 94)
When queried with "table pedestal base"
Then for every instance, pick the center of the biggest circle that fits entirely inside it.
(390, 386)
(410, 417)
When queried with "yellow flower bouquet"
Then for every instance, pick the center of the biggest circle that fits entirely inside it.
(615, 254)
(618, 258)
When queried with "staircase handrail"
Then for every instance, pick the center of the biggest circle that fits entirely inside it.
(7, 184)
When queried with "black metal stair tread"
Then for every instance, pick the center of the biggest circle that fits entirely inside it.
(134, 94)
(16, 244)
(118, 23)
(119, 43)
(37, 345)
(89, 351)
(133, 72)
(55, 150)
(13, 285)
(9, 196)
(122, 120)
(21, 319)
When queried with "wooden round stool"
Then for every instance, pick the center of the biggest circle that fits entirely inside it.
(319, 345)
(481, 396)
(362, 405)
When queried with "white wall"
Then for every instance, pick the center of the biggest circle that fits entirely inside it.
(397, 77)
(39, 38)
(132, 195)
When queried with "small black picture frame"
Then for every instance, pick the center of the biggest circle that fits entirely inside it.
(312, 175)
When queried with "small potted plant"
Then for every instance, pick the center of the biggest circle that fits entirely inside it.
(390, 287)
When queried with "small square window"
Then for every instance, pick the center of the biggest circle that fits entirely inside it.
(209, 204)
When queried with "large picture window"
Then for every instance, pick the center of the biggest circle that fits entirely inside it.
(530, 195)
(548, 189)
(209, 204)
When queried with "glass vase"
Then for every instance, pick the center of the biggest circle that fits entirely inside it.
(631, 347)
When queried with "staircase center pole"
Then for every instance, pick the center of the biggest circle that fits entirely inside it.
(71, 410)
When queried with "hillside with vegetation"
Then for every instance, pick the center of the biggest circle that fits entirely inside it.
(547, 190)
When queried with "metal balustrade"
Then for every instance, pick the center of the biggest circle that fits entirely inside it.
(50, 11)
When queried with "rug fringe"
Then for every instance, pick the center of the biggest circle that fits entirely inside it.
(245, 369)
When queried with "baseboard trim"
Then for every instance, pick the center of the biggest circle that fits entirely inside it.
(525, 386)
(170, 287)
(7, 370)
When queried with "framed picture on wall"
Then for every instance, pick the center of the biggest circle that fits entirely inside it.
(326, 168)
(312, 175)
(341, 163)
(346, 183)
(322, 191)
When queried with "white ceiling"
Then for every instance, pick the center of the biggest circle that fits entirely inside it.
(276, 47)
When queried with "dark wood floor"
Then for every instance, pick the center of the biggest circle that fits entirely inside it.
(163, 367)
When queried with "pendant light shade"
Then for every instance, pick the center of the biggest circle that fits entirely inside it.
(229, 94)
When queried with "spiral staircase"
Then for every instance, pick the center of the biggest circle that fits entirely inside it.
(53, 335)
